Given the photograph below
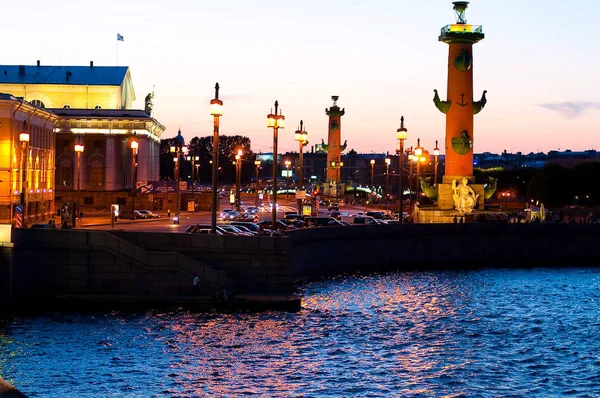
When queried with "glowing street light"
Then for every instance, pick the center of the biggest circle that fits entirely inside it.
(401, 135)
(275, 121)
(301, 136)
(436, 154)
(238, 174)
(387, 178)
(216, 110)
(134, 152)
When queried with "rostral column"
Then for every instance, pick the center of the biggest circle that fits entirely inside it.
(334, 148)
(460, 106)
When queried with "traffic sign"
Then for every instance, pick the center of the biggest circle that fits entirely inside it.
(19, 209)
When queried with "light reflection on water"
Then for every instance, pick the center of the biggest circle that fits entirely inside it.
(477, 333)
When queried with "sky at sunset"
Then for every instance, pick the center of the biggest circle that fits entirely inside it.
(539, 62)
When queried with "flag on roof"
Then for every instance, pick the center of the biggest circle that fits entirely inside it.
(120, 38)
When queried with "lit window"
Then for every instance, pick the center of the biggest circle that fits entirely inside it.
(66, 106)
(38, 103)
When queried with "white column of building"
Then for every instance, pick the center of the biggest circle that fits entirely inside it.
(145, 160)
(109, 167)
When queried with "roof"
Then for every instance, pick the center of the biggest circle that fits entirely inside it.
(73, 75)
(5, 96)
(101, 113)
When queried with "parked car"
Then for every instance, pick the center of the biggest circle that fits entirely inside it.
(253, 227)
(321, 222)
(378, 215)
(201, 228)
(279, 225)
(233, 230)
(293, 216)
(128, 215)
(365, 220)
(148, 214)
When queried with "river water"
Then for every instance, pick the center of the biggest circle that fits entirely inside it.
(484, 333)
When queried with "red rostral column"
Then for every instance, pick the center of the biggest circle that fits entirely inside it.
(334, 147)
(460, 107)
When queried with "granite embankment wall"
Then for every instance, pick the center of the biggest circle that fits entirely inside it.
(51, 263)
(442, 246)
(255, 264)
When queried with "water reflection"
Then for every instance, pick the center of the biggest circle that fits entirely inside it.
(402, 334)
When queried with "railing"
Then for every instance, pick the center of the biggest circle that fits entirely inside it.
(462, 28)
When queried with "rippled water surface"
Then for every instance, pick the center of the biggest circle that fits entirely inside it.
(484, 333)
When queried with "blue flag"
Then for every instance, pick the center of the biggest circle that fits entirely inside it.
(120, 38)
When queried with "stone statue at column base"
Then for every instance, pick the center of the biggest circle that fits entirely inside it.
(465, 199)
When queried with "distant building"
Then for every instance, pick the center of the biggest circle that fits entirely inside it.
(571, 159)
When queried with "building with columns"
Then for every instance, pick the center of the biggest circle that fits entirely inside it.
(26, 161)
(93, 109)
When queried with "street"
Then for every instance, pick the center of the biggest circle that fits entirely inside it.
(101, 220)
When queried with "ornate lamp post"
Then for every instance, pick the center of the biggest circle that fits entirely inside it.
(24, 138)
(257, 185)
(301, 136)
(238, 179)
(195, 166)
(216, 110)
(387, 178)
(436, 153)
(134, 152)
(411, 158)
(78, 150)
(401, 135)
(372, 174)
(418, 155)
(178, 149)
(275, 121)
(287, 177)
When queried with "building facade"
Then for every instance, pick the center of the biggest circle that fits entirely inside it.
(27, 160)
(93, 109)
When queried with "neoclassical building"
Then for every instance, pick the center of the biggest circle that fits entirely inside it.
(93, 109)
(26, 161)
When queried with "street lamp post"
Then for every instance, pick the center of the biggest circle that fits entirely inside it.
(401, 135)
(287, 177)
(387, 179)
(216, 110)
(24, 138)
(276, 122)
(238, 179)
(301, 137)
(78, 149)
(436, 153)
(410, 156)
(195, 166)
(134, 152)
(372, 175)
(418, 155)
(178, 149)
(257, 185)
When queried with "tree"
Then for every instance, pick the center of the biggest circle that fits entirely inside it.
(553, 186)
(585, 183)
(203, 148)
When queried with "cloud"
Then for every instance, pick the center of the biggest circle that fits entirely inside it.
(571, 110)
